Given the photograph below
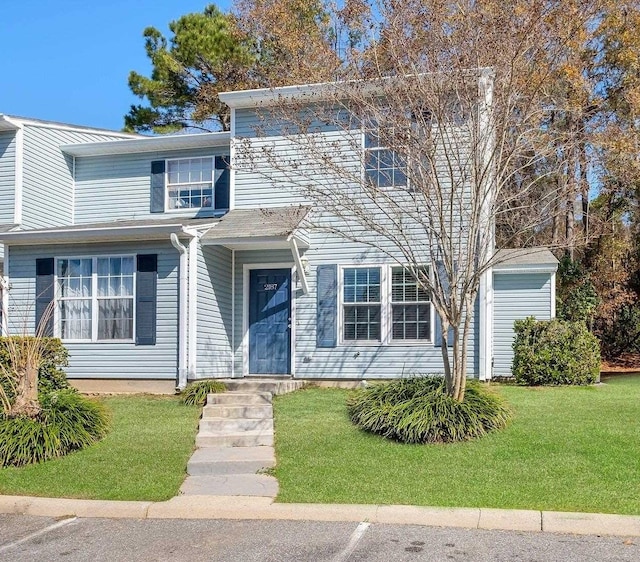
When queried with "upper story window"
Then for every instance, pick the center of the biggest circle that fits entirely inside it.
(190, 183)
(384, 167)
(95, 298)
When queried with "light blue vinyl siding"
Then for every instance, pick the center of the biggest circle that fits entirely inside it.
(118, 186)
(7, 176)
(516, 296)
(104, 359)
(47, 198)
(346, 361)
(214, 312)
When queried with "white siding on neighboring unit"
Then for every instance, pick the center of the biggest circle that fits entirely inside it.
(118, 186)
(47, 198)
(104, 359)
(516, 296)
(214, 312)
(7, 176)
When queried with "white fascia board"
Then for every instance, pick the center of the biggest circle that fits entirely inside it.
(103, 234)
(66, 127)
(148, 144)
(243, 99)
(526, 268)
(255, 243)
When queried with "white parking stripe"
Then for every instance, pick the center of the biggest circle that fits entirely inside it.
(38, 533)
(361, 529)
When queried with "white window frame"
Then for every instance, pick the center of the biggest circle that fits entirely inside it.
(187, 185)
(342, 304)
(366, 150)
(94, 299)
(386, 319)
(394, 341)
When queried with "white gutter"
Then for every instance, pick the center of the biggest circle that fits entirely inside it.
(4, 303)
(193, 305)
(108, 233)
(182, 313)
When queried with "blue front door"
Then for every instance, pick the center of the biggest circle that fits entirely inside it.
(269, 321)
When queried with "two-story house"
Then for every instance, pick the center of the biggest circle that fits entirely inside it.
(160, 260)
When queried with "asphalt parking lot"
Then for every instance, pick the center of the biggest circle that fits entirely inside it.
(28, 538)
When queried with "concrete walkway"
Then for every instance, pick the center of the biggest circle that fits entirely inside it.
(261, 508)
(235, 441)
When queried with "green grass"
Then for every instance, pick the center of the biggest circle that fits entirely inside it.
(567, 449)
(144, 456)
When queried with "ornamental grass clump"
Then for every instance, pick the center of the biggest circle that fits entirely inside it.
(66, 422)
(196, 393)
(419, 410)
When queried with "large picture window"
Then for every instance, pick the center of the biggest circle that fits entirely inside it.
(362, 304)
(95, 298)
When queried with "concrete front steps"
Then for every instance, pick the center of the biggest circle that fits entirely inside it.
(235, 441)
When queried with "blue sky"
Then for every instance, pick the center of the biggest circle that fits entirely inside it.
(68, 60)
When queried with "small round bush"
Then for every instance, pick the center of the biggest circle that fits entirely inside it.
(196, 393)
(67, 422)
(419, 410)
(553, 352)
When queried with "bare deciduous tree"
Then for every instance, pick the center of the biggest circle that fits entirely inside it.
(431, 134)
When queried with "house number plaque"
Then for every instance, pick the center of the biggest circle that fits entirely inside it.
(270, 286)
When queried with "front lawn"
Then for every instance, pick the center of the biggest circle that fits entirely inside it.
(567, 449)
(144, 456)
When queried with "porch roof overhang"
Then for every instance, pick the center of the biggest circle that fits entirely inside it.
(115, 231)
(259, 229)
(275, 228)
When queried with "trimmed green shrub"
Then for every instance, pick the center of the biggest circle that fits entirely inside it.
(418, 410)
(196, 393)
(51, 375)
(66, 423)
(552, 352)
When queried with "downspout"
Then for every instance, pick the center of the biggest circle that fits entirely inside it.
(193, 306)
(4, 301)
(182, 312)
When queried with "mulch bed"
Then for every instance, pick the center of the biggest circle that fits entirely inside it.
(627, 363)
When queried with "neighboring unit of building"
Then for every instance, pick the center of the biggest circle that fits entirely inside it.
(160, 259)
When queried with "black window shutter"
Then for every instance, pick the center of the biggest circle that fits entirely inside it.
(222, 175)
(327, 308)
(44, 295)
(157, 186)
(146, 298)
